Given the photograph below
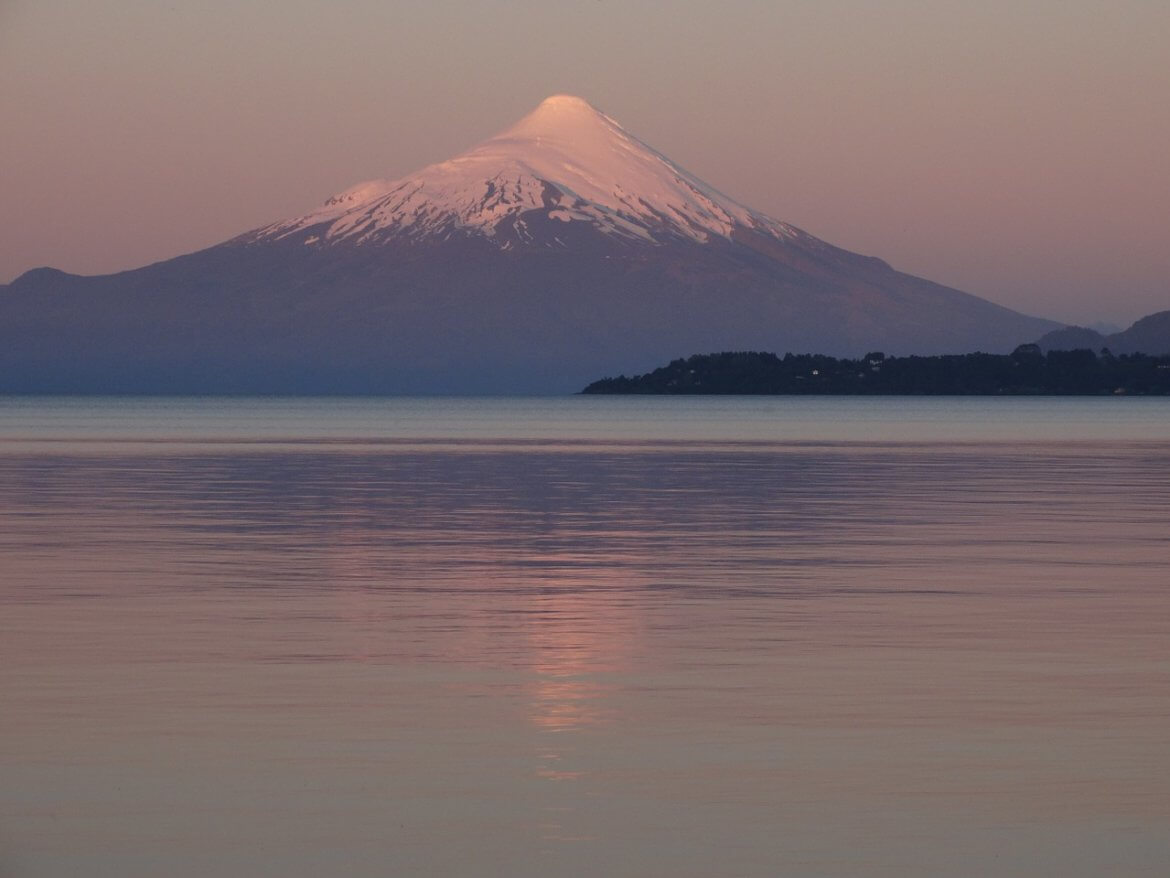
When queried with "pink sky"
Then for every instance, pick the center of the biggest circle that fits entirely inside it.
(1014, 150)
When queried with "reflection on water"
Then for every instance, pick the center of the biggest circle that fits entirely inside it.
(617, 647)
(575, 640)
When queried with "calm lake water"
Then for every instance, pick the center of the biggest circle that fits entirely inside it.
(585, 636)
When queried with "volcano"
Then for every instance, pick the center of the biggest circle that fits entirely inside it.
(559, 251)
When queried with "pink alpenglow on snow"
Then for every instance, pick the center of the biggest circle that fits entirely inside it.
(565, 158)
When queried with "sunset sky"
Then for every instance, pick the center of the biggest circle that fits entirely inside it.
(1016, 150)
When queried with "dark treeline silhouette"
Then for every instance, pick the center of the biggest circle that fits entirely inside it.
(1025, 371)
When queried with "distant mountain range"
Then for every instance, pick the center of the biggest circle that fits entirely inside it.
(561, 249)
(1150, 335)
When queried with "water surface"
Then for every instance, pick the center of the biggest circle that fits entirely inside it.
(686, 637)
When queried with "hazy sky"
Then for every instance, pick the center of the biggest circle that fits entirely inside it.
(1016, 150)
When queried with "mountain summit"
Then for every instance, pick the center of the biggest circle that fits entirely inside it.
(565, 162)
(561, 249)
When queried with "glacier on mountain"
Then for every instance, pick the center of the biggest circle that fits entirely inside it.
(565, 159)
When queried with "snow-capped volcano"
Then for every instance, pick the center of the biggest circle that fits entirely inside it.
(559, 251)
(565, 162)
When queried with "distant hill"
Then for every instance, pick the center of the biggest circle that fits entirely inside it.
(1150, 335)
(1025, 372)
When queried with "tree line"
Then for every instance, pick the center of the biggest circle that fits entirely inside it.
(1025, 371)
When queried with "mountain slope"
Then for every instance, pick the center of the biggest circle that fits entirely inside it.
(1149, 335)
(561, 249)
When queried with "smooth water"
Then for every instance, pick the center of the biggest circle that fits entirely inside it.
(585, 636)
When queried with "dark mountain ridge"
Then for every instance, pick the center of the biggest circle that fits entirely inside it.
(1149, 335)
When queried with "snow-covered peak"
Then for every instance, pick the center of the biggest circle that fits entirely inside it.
(565, 161)
(569, 123)
(558, 114)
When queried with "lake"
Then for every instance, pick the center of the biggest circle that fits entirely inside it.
(585, 636)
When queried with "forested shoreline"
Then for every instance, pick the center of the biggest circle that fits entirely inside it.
(1027, 371)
